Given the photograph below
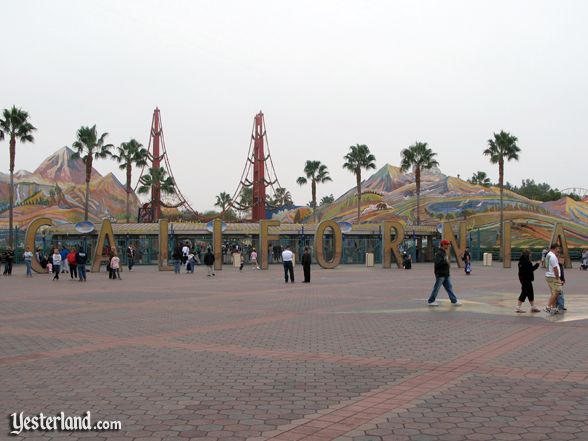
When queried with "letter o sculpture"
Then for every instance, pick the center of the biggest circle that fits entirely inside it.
(318, 244)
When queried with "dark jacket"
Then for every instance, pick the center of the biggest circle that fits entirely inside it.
(306, 259)
(81, 258)
(526, 269)
(9, 256)
(441, 264)
(209, 258)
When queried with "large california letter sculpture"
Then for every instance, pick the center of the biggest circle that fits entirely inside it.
(264, 238)
(217, 241)
(164, 245)
(559, 237)
(318, 244)
(30, 240)
(389, 244)
(458, 248)
(105, 233)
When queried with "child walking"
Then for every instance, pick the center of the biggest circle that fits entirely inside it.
(115, 266)
(526, 277)
(56, 264)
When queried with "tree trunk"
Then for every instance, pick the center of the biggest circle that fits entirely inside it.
(313, 189)
(501, 186)
(88, 178)
(128, 191)
(11, 192)
(358, 178)
(417, 177)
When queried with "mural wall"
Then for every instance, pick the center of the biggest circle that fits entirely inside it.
(56, 189)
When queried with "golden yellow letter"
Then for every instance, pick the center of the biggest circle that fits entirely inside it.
(164, 245)
(458, 248)
(264, 238)
(389, 244)
(99, 256)
(217, 241)
(30, 240)
(559, 237)
(318, 244)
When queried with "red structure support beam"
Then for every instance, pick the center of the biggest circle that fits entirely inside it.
(156, 163)
(258, 169)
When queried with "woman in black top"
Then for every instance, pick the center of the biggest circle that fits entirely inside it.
(526, 277)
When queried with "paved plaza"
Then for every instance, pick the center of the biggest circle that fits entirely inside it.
(356, 355)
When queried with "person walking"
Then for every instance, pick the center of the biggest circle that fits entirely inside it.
(209, 262)
(467, 260)
(306, 260)
(8, 261)
(81, 260)
(287, 257)
(177, 258)
(254, 259)
(552, 277)
(526, 277)
(73, 265)
(191, 265)
(56, 261)
(442, 276)
(64, 266)
(131, 257)
(560, 303)
(185, 253)
(28, 260)
(406, 261)
(115, 265)
(584, 265)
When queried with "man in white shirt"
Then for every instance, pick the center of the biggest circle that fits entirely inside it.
(552, 276)
(185, 253)
(287, 257)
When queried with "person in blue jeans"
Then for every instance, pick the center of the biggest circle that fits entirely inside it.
(560, 303)
(82, 260)
(442, 276)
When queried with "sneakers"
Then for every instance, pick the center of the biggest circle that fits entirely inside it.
(520, 311)
(535, 309)
(457, 303)
(435, 303)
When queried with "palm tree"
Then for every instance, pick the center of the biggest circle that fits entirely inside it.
(359, 157)
(480, 178)
(327, 199)
(419, 157)
(503, 146)
(317, 173)
(282, 198)
(129, 154)
(154, 177)
(223, 201)
(15, 125)
(90, 146)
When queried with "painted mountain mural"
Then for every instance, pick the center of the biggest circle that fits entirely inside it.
(391, 194)
(56, 189)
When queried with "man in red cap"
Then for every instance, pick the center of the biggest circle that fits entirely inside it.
(442, 275)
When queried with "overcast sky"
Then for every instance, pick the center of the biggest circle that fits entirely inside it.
(327, 74)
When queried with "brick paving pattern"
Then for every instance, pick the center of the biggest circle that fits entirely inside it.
(354, 356)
